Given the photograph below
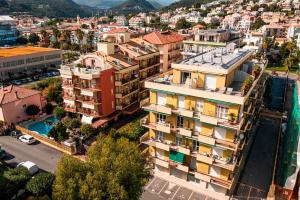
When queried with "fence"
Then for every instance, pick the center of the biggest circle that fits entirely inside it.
(52, 143)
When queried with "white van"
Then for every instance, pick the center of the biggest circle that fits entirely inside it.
(32, 168)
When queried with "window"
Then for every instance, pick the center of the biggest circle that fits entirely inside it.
(178, 141)
(184, 76)
(181, 102)
(24, 106)
(160, 135)
(199, 105)
(161, 99)
(93, 62)
(161, 118)
(222, 111)
(196, 145)
(179, 121)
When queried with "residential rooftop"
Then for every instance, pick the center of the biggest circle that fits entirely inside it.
(217, 59)
(137, 48)
(13, 93)
(21, 51)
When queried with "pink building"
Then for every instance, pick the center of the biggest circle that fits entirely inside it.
(14, 101)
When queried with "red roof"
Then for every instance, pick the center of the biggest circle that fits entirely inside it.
(13, 93)
(165, 37)
(200, 26)
(117, 30)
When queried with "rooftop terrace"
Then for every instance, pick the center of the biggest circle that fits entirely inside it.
(219, 58)
(20, 51)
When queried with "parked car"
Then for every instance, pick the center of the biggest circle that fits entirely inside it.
(15, 133)
(28, 139)
(2, 152)
(30, 166)
(16, 82)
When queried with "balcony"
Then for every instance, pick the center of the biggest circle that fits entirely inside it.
(158, 108)
(205, 159)
(182, 149)
(226, 144)
(67, 84)
(206, 139)
(179, 166)
(70, 109)
(88, 112)
(203, 177)
(161, 162)
(126, 80)
(221, 182)
(163, 127)
(69, 97)
(185, 132)
(164, 145)
(82, 72)
(183, 112)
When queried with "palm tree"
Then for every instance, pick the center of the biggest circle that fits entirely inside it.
(79, 36)
(44, 35)
(56, 33)
(90, 38)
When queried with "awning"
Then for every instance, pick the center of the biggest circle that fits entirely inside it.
(221, 102)
(176, 156)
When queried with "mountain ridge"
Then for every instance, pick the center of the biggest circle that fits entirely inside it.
(41, 8)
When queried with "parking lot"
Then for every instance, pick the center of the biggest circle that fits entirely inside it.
(45, 157)
(159, 189)
(31, 79)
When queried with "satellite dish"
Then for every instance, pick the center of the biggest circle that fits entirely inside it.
(241, 136)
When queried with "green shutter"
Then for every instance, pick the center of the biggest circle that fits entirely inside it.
(177, 156)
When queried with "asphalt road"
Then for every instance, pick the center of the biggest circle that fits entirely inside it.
(45, 157)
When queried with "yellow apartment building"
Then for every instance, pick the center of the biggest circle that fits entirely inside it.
(199, 118)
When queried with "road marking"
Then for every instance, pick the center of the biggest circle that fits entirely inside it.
(150, 183)
(175, 192)
(190, 195)
(163, 187)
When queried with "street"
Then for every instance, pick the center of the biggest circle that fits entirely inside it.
(45, 157)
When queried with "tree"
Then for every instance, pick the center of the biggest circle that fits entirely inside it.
(79, 35)
(18, 176)
(87, 130)
(59, 112)
(41, 184)
(32, 110)
(22, 40)
(49, 108)
(183, 24)
(59, 132)
(33, 38)
(70, 175)
(258, 23)
(115, 169)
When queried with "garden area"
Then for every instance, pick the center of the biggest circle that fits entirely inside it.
(283, 58)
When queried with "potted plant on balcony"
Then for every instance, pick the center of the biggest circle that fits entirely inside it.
(256, 70)
(246, 85)
(231, 118)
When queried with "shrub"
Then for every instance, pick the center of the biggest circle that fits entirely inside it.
(49, 108)
(59, 132)
(40, 184)
(59, 112)
(87, 130)
(18, 176)
(32, 110)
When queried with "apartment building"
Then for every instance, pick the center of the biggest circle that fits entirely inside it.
(8, 31)
(169, 45)
(18, 61)
(114, 76)
(200, 116)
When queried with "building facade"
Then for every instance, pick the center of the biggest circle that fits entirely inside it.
(19, 61)
(114, 77)
(8, 31)
(199, 118)
(169, 45)
(14, 101)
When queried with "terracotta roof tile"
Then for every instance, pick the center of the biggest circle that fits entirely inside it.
(163, 37)
(13, 93)
(117, 30)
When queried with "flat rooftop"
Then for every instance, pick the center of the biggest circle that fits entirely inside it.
(219, 58)
(20, 51)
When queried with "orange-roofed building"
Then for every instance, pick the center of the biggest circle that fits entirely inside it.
(169, 44)
(14, 101)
